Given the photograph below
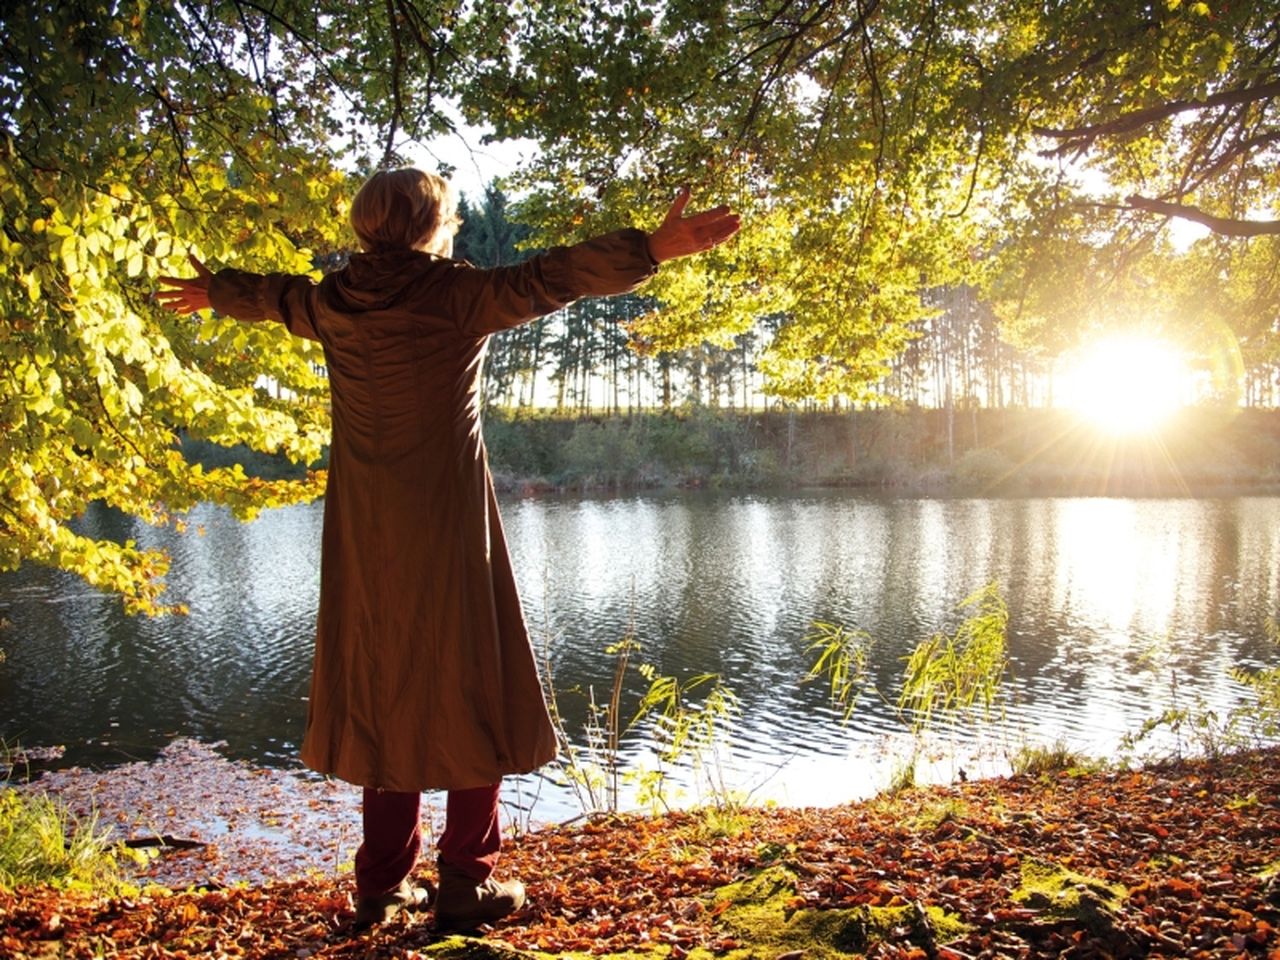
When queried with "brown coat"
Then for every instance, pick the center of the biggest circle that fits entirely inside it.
(424, 674)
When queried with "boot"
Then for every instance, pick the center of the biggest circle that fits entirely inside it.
(380, 909)
(463, 904)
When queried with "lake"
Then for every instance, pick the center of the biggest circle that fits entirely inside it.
(1118, 608)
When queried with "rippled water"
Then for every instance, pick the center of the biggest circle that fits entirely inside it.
(707, 583)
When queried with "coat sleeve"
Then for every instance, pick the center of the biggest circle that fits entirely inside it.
(274, 296)
(486, 301)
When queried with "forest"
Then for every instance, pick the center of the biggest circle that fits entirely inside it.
(582, 361)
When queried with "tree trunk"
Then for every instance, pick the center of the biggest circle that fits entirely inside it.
(951, 426)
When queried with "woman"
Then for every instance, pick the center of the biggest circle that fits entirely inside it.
(424, 674)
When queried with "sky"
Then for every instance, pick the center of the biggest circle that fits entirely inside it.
(475, 163)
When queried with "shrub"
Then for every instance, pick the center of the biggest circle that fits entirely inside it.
(954, 675)
(680, 446)
(601, 453)
(982, 468)
(521, 443)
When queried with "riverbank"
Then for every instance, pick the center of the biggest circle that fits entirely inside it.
(909, 452)
(1175, 860)
(1202, 451)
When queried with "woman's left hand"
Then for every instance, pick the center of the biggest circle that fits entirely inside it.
(190, 293)
(679, 235)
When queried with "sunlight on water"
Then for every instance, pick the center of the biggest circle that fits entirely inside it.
(1132, 579)
(1115, 572)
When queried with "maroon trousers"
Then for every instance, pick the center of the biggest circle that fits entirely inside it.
(392, 838)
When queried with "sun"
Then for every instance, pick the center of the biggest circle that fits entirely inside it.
(1127, 384)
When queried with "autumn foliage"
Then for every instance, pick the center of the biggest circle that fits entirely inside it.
(1178, 860)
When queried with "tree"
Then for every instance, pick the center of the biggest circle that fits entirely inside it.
(814, 119)
(130, 130)
(489, 237)
(130, 133)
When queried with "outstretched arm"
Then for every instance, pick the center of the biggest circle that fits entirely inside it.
(486, 301)
(190, 293)
(680, 236)
(248, 297)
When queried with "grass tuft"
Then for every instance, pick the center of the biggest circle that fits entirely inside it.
(1037, 761)
(42, 842)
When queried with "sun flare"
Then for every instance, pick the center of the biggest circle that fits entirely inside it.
(1126, 384)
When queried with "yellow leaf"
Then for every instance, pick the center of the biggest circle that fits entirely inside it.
(70, 261)
(40, 405)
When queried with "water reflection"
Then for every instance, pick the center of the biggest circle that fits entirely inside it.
(114, 688)
(1117, 609)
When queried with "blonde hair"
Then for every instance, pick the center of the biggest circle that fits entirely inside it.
(403, 210)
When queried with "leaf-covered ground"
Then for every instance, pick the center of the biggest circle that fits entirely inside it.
(247, 824)
(1178, 860)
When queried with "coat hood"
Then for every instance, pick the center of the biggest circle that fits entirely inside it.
(375, 281)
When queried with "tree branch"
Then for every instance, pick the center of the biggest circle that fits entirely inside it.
(1220, 225)
(1231, 152)
(397, 65)
(321, 56)
(439, 53)
(1075, 137)
(982, 140)
(790, 55)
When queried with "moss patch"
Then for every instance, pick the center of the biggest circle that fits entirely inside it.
(472, 948)
(765, 916)
(1064, 894)
(933, 814)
